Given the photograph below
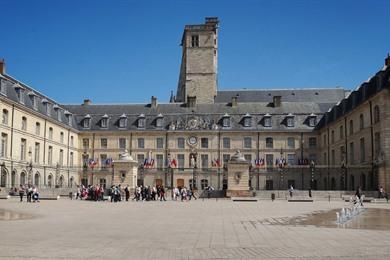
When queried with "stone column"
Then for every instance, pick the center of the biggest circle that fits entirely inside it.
(238, 176)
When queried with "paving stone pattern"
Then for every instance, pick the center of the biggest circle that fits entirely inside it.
(212, 229)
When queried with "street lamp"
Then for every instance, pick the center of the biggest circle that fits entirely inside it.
(29, 167)
(312, 168)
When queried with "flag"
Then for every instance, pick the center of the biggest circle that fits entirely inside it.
(109, 162)
(216, 163)
(92, 163)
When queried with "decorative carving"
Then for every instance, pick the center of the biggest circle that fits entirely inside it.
(125, 156)
(238, 157)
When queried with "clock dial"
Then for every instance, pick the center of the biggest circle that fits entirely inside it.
(192, 140)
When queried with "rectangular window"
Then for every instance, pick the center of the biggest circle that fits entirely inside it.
(3, 88)
(71, 159)
(180, 162)
(291, 159)
(24, 124)
(36, 152)
(23, 148)
(325, 159)
(59, 115)
(61, 159)
(62, 137)
(291, 142)
(269, 142)
(269, 159)
(247, 142)
(86, 143)
(226, 158)
(324, 141)
(312, 142)
(248, 158)
(103, 159)
(50, 155)
(103, 143)
(72, 141)
(342, 154)
(290, 121)
(48, 109)
(122, 143)
(140, 159)
(50, 133)
(226, 142)
(159, 143)
(341, 129)
(362, 150)
(20, 94)
(4, 143)
(180, 142)
(195, 41)
(141, 142)
(267, 122)
(160, 161)
(5, 117)
(204, 158)
(351, 153)
(204, 142)
(332, 136)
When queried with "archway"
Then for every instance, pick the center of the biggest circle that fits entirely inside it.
(351, 182)
(13, 178)
(22, 178)
(363, 181)
(333, 184)
(50, 180)
(4, 175)
(37, 179)
(61, 182)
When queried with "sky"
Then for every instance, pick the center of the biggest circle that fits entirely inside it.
(113, 51)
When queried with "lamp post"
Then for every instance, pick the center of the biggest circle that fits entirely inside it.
(280, 168)
(29, 168)
(312, 169)
(343, 170)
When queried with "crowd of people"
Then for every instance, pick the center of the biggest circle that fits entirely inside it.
(30, 191)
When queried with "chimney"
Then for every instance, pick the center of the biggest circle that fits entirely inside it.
(234, 102)
(387, 60)
(212, 20)
(87, 102)
(2, 66)
(191, 101)
(153, 102)
(277, 101)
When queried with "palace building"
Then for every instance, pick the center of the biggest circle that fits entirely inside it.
(319, 138)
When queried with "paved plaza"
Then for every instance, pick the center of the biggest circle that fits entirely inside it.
(222, 229)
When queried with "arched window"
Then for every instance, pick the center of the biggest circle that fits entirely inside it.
(24, 123)
(141, 121)
(13, 179)
(104, 121)
(5, 117)
(269, 142)
(62, 137)
(204, 183)
(22, 178)
(51, 133)
(361, 121)
(36, 179)
(87, 121)
(376, 114)
(3, 181)
(350, 127)
(50, 180)
(226, 120)
(123, 121)
(61, 181)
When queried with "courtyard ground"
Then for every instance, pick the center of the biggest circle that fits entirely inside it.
(222, 229)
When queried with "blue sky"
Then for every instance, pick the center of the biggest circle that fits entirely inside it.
(126, 51)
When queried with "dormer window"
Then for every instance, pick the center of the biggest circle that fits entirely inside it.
(47, 106)
(123, 121)
(247, 120)
(69, 117)
(141, 121)
(312, 120)
(267, 120)
(3, 88)
(159, 120)
(87, 121)
(34, 99)
(20, 93)
(226, 120)
(59, 114)
(104, 121)
(290, 120)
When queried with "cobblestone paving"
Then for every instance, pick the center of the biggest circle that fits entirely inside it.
(212, 229)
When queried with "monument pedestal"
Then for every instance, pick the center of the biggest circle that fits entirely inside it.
(126, 170)
(238, 177)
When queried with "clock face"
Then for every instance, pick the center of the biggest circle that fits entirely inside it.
(192, 140)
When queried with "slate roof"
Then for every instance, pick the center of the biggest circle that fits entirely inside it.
(11, 84)
(316, 95)
(375, 84)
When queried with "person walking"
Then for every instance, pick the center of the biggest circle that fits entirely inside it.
(162, 194)
(358, 194)
(127, 191)
(21, 193)
(291, 190)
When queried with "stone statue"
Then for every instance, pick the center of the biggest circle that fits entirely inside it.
(125, 156)
(193, 162)
(238, 157)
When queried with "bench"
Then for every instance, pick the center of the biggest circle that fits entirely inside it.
(244, 199)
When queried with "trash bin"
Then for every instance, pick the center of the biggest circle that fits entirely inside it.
(272, 196)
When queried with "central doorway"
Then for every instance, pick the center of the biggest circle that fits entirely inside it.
(180, 183)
